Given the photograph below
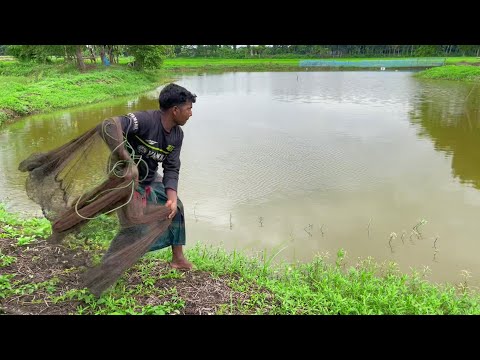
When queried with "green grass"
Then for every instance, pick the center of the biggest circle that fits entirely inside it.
(461, 59)
(452, 72)
(201, 62)
(317, 287)
(218, 64)
(320, 288)
(27, 89)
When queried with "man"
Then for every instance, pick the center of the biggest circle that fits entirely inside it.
(150, 213)
(153, 137)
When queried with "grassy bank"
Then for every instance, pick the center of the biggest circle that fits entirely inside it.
(39, 278)
(452, 72)
(27, 88)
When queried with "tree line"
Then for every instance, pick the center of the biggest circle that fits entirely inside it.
(325, 51)
(152, 56)
(145, 56)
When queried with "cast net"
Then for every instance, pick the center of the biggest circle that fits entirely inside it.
(90, 175)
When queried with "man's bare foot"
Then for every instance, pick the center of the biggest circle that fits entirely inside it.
(178, 259)
(181, 264)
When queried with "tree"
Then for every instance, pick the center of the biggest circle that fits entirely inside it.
(427, 50)
(37, 53)
(149, 56)
(468, 50)
(43, 53)
(79, 54)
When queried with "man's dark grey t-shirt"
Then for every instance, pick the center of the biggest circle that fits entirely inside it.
(145, 133)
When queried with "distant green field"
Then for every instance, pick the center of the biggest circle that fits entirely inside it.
(217, 62)
(208, 63)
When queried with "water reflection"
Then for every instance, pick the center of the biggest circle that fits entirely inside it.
(341, 87)
(449, 114)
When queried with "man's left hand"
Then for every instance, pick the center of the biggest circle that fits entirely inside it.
(172, 206)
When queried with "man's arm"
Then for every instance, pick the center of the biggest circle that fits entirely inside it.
(171, 171)
(112, 131)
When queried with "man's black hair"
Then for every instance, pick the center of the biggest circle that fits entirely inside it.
(174, 95)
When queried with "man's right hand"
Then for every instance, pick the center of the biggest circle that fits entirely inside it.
(131, 172)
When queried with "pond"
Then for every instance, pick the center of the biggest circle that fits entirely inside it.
(378, 163)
